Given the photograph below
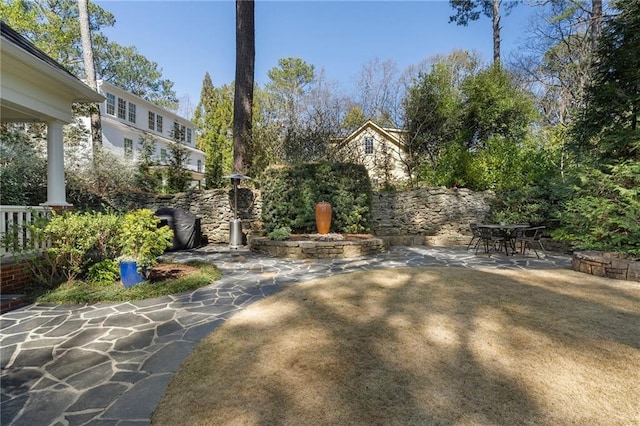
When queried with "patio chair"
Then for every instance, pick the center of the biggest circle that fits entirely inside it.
(530, 237)
(491, 239)
(516, 235)
(475, 235)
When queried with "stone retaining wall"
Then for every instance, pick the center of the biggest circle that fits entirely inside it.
(429, 216)
(317, 249)
(421, 216)
(214, 207)
(607, 264)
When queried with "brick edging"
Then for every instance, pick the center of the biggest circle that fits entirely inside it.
(14, 277)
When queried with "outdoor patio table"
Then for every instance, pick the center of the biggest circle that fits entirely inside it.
(505, 232)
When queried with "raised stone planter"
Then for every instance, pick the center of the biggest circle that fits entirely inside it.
(607, 264)
(309, 249)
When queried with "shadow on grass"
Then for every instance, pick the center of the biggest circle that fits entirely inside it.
(420, 346)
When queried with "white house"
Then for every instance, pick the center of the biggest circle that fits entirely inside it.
(381, 150)
(36, 88)
(128, 119)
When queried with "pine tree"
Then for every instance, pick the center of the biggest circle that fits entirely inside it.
(146, 177)
(178, 176)
(608, 126)
(214, 117)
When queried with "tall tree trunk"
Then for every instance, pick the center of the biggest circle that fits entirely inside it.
(595, 26)
(243, 97)
(496, 31)
(90, 73)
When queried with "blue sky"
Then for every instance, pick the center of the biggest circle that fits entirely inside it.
(189, 38)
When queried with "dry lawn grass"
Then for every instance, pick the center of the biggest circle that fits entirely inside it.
(421, 346)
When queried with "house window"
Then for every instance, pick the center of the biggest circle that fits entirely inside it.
(368, 145)
(122, 108)
(128, 148)
(189, 135)
(179, 132)
(132, 112)
(111, 104)
(176, 131)
(159, 123)
(152, 120)
(199, 166)
(163, 155)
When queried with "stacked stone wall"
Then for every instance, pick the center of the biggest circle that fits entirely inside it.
(429, 216)
(607, 264)
(318, 249)
(213, 207)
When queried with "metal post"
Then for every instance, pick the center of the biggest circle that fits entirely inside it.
(235, 198)
(235, 225)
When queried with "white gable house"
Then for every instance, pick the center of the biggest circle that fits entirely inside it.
(380, 150)
(128, 119)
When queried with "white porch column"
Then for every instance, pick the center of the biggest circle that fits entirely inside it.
(56, 194)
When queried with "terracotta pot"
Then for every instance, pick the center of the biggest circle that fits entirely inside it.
(323, 217)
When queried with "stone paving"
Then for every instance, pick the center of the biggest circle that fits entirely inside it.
(110, 363)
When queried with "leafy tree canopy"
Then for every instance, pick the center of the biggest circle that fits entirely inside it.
(434, 103)
(495, 106)
(126, 68)
(603, 211)
(289, 82)
(301, 111)
(607, 128)
(53, 26)
(291, 77)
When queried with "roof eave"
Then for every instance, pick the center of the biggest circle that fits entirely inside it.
(81, 92)
(381, 130)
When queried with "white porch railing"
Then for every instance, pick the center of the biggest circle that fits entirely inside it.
(15, 237)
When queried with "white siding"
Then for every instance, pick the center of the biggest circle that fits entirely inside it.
(115, 130)
(387, 156)
(384, 151)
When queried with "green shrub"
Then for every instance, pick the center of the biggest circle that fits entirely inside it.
(77, 241)
(141, 239)
(106, 244)
(604, 210)
(23, 171)
(534, 204)
(290, 194)
(280, 234)
(106, 271)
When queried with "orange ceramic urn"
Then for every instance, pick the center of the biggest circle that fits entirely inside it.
(323, 217)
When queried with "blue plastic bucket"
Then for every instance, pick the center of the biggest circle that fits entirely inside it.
(129, 274)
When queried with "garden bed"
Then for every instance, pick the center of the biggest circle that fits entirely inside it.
(315, 246)
(607, 264)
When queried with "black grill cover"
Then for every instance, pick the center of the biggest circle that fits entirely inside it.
(185, 226)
